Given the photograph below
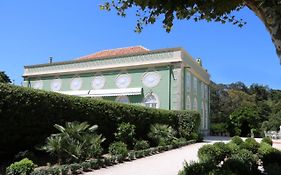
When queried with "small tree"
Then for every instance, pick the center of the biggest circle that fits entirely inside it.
(4, 78)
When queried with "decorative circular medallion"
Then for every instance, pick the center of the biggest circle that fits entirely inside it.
(76, 83)
(98, 82)
(123, 81)
(122, 99)
(151, 79)
(56, 85)
(38, 84)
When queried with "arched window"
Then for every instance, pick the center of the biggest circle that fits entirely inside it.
(151, 100)
(122, 99)
(195, 104)
(188, 103)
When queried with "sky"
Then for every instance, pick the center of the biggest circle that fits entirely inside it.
(31, 31)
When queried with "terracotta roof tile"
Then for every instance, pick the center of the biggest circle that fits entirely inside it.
(114, 52)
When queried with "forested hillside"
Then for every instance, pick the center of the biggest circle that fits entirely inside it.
(239, 110)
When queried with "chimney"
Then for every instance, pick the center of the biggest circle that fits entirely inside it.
(50, 60)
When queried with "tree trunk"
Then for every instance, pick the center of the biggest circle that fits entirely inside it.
(271, 17)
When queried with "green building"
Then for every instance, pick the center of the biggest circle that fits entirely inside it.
(167, 78)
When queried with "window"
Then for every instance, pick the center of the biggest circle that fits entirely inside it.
(151, 79)
(123, 81)
(188, 103)
(151, 100)
(195, 85)
(202, 90)
(98, 82)
(122, 99)
(187, 82)
(56, 84)
(38, 84)
(195, 104)
(76, 83)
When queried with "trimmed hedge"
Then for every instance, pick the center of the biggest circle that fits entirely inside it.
(27, 116)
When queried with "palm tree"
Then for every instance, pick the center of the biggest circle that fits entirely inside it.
(75, 142)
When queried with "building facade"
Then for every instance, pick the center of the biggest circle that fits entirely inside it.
(166, 79)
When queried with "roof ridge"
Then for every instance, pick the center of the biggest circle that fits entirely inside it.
(112, 50)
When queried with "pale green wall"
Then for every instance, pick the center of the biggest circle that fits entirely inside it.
(161, 90)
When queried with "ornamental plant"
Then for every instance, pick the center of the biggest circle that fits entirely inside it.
(125, 133)
(75, 142)
(23, 167)
(161, 134)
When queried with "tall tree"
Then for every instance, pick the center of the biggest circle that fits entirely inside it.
(268, 11)
(4, 78)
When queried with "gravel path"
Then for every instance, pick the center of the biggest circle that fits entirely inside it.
(167, 163)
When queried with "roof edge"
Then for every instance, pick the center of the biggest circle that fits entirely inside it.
(108, 57)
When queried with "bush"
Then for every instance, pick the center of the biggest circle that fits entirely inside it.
(237, 140)
(75, 142)
(141, 145)
(118, 148)
(33, 113)
(126, 133)
(23, 167)
(267, 140)
(265, 149)
(214, 154)
(161, 134)
(251, 144)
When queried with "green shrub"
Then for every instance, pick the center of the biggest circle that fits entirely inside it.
(75, 168)
(161, 134)
(265, 149)
(251, 144)
(141, 145)
(34, 113)
(76, 142)
(196, 168)
(267, 140)
(188, 124)
(118, 148)
(125, 133)
(237, 140)
(23, 167)
(214, 154)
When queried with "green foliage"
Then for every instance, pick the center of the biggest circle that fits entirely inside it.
(188, 124)
(267, 140)
(247, 158)
(237, 109)
(218, 128)
(23, 167)
(251, 144)
(118, 148)
(34, 113)
(237, 140)
(265, 149)
(243, 119)
(214, 154)
(141, 145)
(149, 11)
(75, 142)
(161, 134)
(126, 133)
(4, 78)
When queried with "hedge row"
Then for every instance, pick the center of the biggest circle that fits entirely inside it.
(27, 117)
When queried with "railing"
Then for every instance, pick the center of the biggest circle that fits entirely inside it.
(272, 134)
